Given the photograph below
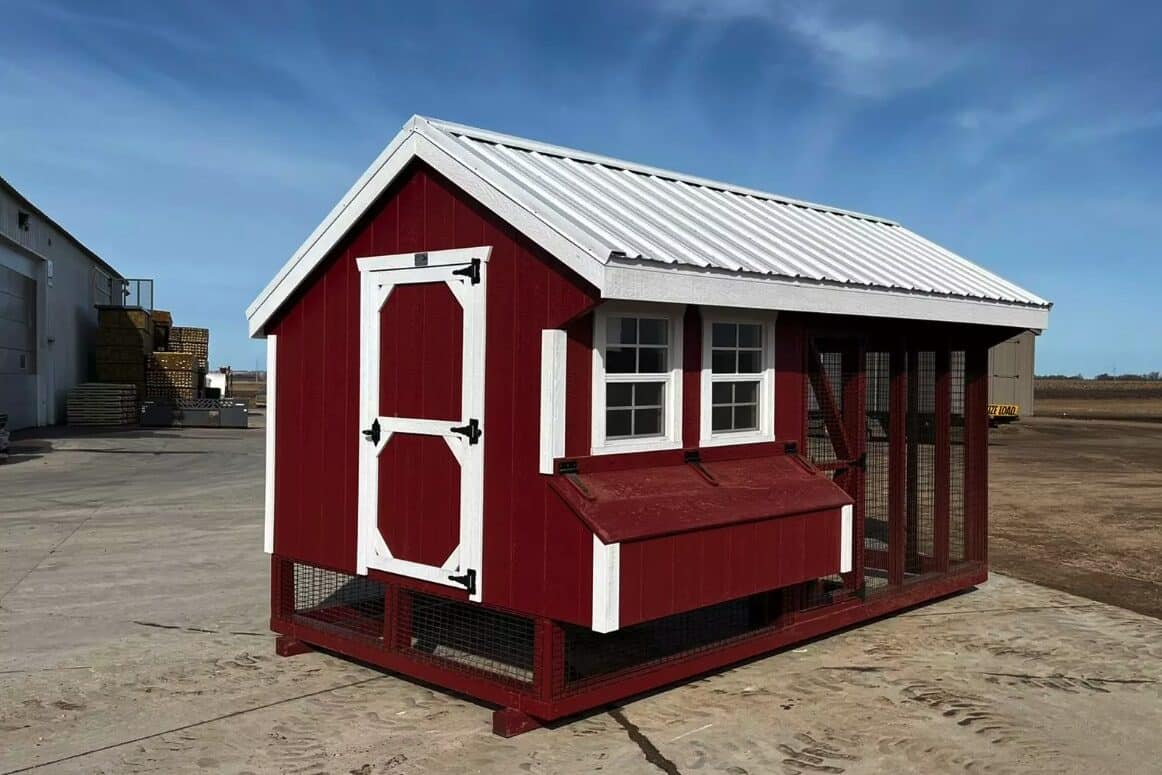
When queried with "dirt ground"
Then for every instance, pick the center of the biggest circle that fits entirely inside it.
(133, 607)
(1077, 505)
(1099, 399)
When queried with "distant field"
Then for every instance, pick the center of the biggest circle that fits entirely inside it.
(1099, 399)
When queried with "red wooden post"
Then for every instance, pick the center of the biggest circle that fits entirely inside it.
(912, 563)
(976, 439)
(548, 656)
(855, 420)
(943, 457)
(897, 464)
(691, 377)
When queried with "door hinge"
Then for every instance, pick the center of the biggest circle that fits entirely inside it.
(471, 430)
(372, 433)
(468, 580)
(472, 271)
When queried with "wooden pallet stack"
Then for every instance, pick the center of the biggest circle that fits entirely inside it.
(172, 377)
(124, 341)
(195, 341)
(102, 404)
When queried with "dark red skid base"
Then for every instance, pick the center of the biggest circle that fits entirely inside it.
(546, 697)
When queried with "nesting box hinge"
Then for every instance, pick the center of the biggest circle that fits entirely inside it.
(471, 430)
(472, 271)
(468, 580)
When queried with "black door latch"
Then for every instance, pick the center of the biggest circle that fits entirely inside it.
(372, 433)
(471, 430)
(468, 580)
(472, 272)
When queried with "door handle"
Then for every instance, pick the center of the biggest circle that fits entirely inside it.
(372, 433)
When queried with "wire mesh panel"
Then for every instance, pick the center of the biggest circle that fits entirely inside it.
(877, 382)
(956, 478)
(591, 657)
(468, 636)
(921, 440)
(820, 445)
(351, 604)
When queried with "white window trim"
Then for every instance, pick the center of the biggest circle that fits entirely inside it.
(766, 378)
(671, 438)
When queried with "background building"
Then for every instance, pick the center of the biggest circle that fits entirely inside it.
(1011, 372)
(49, 286)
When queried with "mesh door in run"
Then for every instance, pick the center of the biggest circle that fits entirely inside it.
(421, 408)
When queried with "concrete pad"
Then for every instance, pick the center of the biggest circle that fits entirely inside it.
(133, 639)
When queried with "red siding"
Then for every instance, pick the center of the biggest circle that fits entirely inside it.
(316, 472)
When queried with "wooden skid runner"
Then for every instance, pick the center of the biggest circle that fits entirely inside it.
(102, 404)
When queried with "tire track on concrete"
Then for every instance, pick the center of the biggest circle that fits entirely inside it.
(193, 725)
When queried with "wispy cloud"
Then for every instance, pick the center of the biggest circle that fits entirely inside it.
(859, 55)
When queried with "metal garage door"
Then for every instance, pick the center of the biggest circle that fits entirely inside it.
(17, 348)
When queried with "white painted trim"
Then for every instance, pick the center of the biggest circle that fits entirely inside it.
(675, 285)
(672, 438)
(433, 259)
(766, 379)
(606, 586)
(271, 402)
(845, 538)
(553, 343)
(378, 275)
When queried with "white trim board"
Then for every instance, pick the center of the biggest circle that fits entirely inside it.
(606, 586)
(436, 144)
(271, 401)
(553, 343)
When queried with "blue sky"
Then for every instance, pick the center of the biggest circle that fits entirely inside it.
(199, 143)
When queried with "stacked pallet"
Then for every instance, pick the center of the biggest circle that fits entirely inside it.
(124, 340)
(162, 323)
(102, 404)
(172, 377)
(195, 341)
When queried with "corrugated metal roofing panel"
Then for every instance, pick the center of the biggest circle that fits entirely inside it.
(639, 212)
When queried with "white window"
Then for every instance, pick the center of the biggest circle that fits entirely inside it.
(637, 378)
(738, 378)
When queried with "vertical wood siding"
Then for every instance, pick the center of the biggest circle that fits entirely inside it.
(537, 558)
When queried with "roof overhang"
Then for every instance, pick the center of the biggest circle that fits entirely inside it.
(614, 278)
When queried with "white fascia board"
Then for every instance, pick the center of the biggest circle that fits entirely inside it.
(361, 196)
(687, 285)
(845, 538)
(474, 177)
(480, 180)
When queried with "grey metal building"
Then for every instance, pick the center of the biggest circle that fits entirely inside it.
(49, 286)
(1011, 371)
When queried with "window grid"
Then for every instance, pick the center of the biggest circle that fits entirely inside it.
(736, 362)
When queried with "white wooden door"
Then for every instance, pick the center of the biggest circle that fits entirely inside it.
(421, 473)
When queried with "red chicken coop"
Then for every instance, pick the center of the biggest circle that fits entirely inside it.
(551, 429)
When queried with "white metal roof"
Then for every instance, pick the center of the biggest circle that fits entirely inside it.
(649, 234)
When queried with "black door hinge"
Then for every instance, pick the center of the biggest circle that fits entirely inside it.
(471, 430)
(372, 433)
(468, 580)
(472, 271)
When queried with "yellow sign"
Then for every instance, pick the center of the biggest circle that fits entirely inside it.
(1004, 410)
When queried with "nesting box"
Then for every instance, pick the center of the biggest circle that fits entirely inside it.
(551, 429)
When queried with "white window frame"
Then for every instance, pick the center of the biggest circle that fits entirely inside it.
(766, 378)
(671, 437)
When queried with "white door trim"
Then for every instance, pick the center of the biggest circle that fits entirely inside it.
(465, 273)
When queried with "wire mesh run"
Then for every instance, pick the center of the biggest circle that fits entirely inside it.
(591, 657)
(877, 386)
(956, 512)
(467, 636)
(353, 605)
(921, 482)
(820, 446)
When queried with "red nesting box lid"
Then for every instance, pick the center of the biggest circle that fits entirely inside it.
(639, 503)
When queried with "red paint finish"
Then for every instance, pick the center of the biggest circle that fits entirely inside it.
(529, 549)
(691, 378)
(790, 362)
(645, 503)
(419, 498)
(421, 353)
(673, 574)
(579, 387)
